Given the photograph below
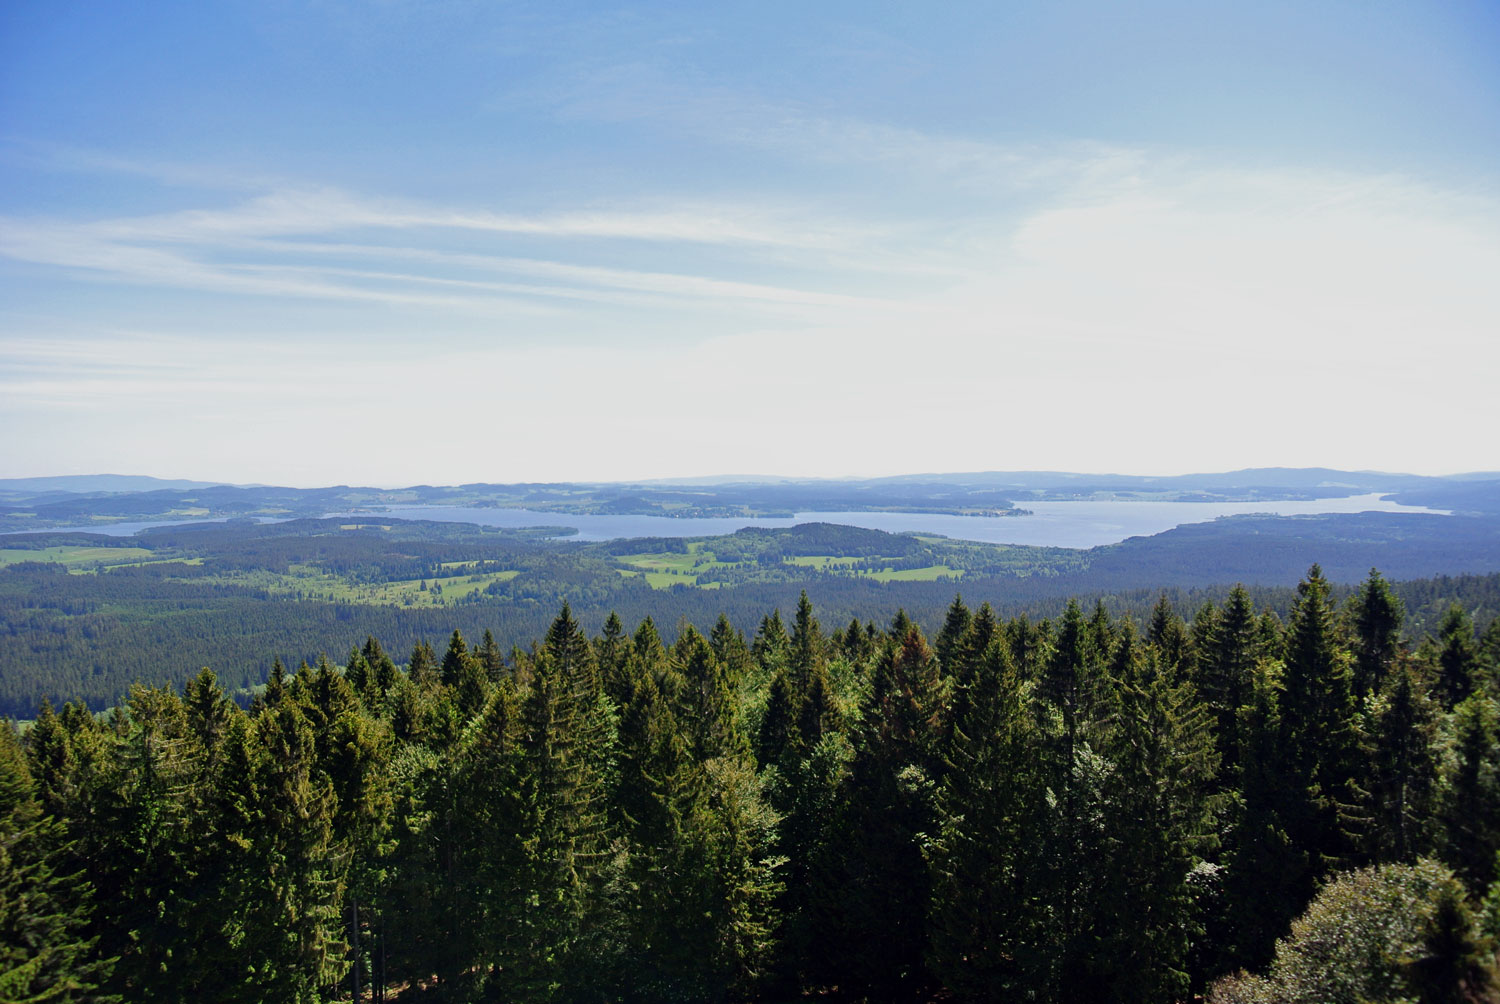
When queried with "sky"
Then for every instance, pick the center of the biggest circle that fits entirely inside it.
(398, 242)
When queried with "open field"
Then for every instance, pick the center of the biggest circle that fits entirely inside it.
(76, 557)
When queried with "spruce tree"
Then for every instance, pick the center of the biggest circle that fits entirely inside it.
(1159, 826)
(1404, 776)
(294, 919)
(1376, 614)
(1322, 738)
(1458, 657)
(1169, 634)
(1470, 812)
(880, 941)
(455, 659)
(948, 643)
(565, 745)
(491, 660)
(46, 953)
(988, 917)
(422, 668)
(1225, 676)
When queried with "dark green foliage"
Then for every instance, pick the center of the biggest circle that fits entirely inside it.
(1471, 796)
(1158, 824)
(989, 917)
(1458, 657)
(45, 952)
(1377, 614)
(950, 638)
(1322, 733)
(1072, 810)
(883, 887)
(1404, 775)
(1226, 673)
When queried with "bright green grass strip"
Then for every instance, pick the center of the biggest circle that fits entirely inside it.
(821, 561)
(929, 574)
(74, 556)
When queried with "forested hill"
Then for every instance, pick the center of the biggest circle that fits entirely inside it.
(42, 503)
(82, 616)
(1082, 809)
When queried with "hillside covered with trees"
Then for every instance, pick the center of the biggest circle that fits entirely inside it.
(1088, 807)
(84, 616)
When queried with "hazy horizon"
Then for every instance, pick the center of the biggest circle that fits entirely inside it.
(728, 479)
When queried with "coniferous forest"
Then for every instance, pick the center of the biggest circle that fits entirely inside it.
(1217, 802)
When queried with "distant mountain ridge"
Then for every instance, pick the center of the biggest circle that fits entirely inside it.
(1250, 477)
(90, 483)
(82, 500)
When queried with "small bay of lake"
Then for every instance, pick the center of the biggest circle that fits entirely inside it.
(1079, 524)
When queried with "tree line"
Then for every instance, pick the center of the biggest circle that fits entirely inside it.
(1081, 808)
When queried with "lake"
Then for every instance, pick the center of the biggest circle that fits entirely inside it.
(1052, 524)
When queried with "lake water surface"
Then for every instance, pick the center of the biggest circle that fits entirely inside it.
(1052, 524)
(1049, 524)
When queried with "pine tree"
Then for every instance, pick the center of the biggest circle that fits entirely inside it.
(565, 744)
(1403, 782)
(730, 649)
(710, 709)
(491, 660)
(455, 660)
(1470, 813)
(422, 668)
(1458, 657)
(612, 649)
(771, 644)
(1267, 884)
(1376, 616)
(896, 768)
(854, 642)
(1028, 646)
(382, 669)
(806, 651)
(1226, 673)
(294, 919)
(357, 672)
(1159, 826)
(949, 641)
(1321, 733)
(779, 734)
(1169, 634)
(276, 684)
(1070, 691)
(45, 952)
(988, 918)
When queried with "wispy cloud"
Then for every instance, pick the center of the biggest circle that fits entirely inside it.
(260, 248)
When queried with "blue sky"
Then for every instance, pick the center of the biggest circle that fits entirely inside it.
(441, 242)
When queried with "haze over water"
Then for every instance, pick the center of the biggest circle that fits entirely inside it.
(1050, 524)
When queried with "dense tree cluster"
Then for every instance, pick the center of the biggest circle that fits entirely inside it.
(1083, 808)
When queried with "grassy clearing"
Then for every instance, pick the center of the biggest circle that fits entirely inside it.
(306, 582)
(822, 561)
(663, 562)
(929, 574)
(77, 557)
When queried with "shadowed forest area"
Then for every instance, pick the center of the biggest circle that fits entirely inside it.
(1081, 808)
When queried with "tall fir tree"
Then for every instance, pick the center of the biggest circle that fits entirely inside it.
(1404, 770)
(879, 946)
(1457, 658)
(1376, 615)
(988, 916)
(46, 953)
(1321, 734)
